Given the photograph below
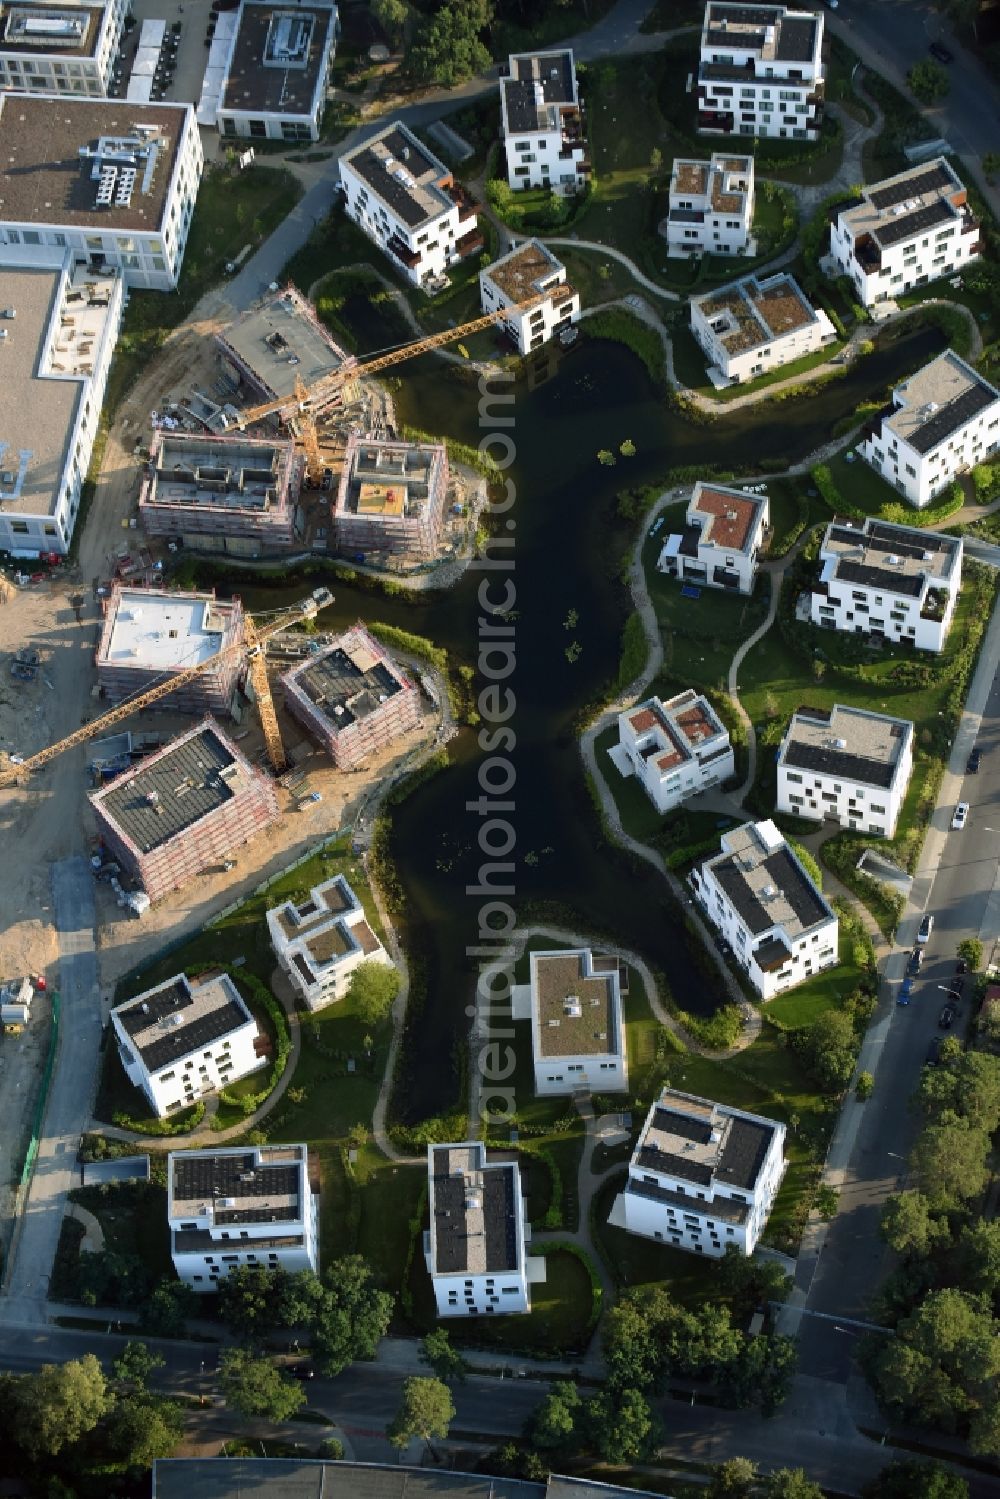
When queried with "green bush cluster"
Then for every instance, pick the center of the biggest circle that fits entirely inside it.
(553, 1217)
(718, 1031)
(179, 1124)
(260, 993)
(563, 1246)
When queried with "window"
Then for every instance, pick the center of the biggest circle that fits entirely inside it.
(166, 1076)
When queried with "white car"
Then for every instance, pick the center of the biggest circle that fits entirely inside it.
(961, 813)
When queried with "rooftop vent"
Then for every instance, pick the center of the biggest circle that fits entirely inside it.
(769, 892)
(892, 560)
(552, 1022)
(572, 1006)
(226, 1202)
(840, 744)
(10, 312)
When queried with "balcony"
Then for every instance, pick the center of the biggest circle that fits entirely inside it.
(868, 255)
(469, 243)
(934, 605)
(467, 205)
(873, 426)
(713, 119)
(402, 252)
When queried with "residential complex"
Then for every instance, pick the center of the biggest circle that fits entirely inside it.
(322, 940)
(352, 697)
(148, 634)
(710, 208)
(543, 132)
(233, 494)
(905, 231)
(703, 1176)
(761, 71)
(475, 1248)
(765, 906)
(531, 282)
(942, 421)
(52, 48)
(185, 809)
(112, 181)
(391, 498)
(245, 1205)
(675, 749)
(847, 764)
(409, 204)
(58, 328)
(574, 1003)
(274, 78)
(724, 531)
(892, 581)
(275, 346)
(182, 1040)
(753, 326)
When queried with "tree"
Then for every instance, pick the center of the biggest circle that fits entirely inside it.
(865, 1086)
(391, 16)
(249, 1301)
(426, 1410)
(168, 1308)
(373, 987)
(977, 1258)
(448, 48)
(749, 1281)
(622, 1426)
(963, 1085)
(57, 1406)
(446, 1361)
(556, 1420)
(942, 1365)
(734, 1479)
(256, 1387)
(351, 1317)
(910, 1478)
(790, 1483)
(950, 1163)
(135, 1364)
(761, 1373)
(634, 1351)
(140, 1429)
(971, 951)
(828, 1048)
(910, 1225)
(501, 197)
(928, 81)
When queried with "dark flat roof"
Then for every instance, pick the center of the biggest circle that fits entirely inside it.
(952, 416)
(408, 204)
(790, 881)
(198, 1178)
(931, 181)
(880, 577)
(553, 70)
(252, 84)
(796, 39)
(744, 1152)
(175, 998)
(452, 1242)
(340, 688)
(194, 763)
(307, 1478)
(909, 224)
(839, 762)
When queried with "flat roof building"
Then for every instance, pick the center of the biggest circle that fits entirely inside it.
(112, 181)
(232, 494)
(574, 1001)
(245, 1205)
(276, 71)
(58, 332)
(675, 749)
(761, 72)
(391, 498)
(475, 1249)
(322, 940)
(848, 764)
(148, 634)
(543, 130)
(52, 48)
(710, 207)
(352, 697)
(182, 1040)
(721, 542)
(531, 283)
(186, 808)
(757, 324)
(276, 344)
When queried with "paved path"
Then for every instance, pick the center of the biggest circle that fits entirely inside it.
(93, 1234)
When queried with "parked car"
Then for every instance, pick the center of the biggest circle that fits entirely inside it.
(947, 1017)
(972, 764)
(933, 1051)
(905, 991)
(301, 1371)
(961, 813)
(914, 961)
(925, 928)
(961, 967)
(939, 51)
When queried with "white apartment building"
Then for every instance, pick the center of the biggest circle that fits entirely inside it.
(710, 207)
(276, 70)
(847, 764)
(761, 71)
(894, 581)
(476, 1246)
(111, 181)
(675, 749)
(763, 904)
(702, 1177)
(60, 46)
(531, 282)
(724, 531)
(409, 204)
(574, 1003)
(543, 132)
(246, 1205)
(321, 942)
(753, 326)
(905, 231)
(58, 329)
(943, 421)
(182, 1040)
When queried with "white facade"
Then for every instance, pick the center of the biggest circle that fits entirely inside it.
(675, 749)
(246, 1205)
(721, 542)
(60, 46)
(321, 942)
(702, 1176)
(475, 1248)
(542, 123)
(408, 203)
(710, 207)
(277, 69)
(574, 1003)
(112, 182)
(943, 421)
(847, 764)
(761, 71)
(57, 350)
(753, 326)
(766, 907)
(906, 231)
(894, 581)
(529, 273)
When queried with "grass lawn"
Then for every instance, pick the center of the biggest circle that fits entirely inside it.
(133, 1217)
(598, 278)
(634, 1261)
(866, 490)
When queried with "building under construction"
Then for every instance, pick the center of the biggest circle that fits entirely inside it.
(276, 344)
(223, 494)
(352, 697)
(184, 810)
(391, 498)
(148, 634)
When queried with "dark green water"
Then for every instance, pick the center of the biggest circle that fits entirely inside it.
(568, 550)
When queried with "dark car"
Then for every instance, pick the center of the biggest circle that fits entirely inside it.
(933, 1051)
(961, 967)
(301, 1371)
(972, 765)
(940, 51)
(947, 1017)
(905, 991)
(914, 961)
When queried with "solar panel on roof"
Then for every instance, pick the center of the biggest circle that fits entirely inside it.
(931, 181)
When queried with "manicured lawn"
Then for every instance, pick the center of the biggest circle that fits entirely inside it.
(827, 991)
(598, 278)
(634, 1261)
(863, 487)
(639, 816)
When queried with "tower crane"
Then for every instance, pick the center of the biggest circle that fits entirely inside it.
(251, 648)
(309, 401)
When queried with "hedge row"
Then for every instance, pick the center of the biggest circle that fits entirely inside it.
(262, 996)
